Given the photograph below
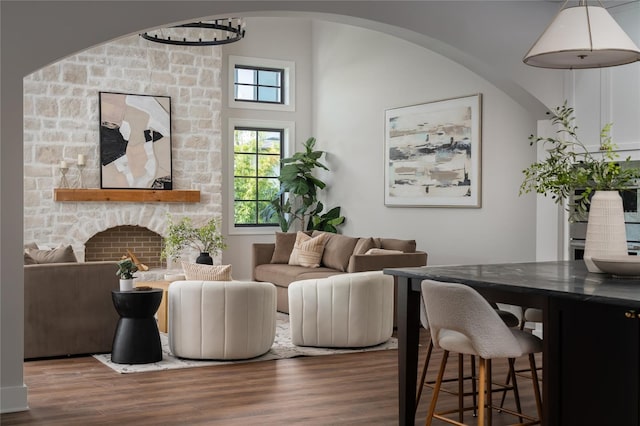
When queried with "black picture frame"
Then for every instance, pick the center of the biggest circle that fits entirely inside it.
(135, 141)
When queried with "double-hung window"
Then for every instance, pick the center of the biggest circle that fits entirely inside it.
(257, 152)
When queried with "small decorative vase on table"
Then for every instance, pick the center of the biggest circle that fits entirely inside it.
(126, 285)
(204, 259)
(606, 234)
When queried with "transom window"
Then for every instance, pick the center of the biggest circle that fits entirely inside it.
(258, 84)
(256, 166)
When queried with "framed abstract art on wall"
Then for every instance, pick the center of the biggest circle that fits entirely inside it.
(135, 141)
(432, 154)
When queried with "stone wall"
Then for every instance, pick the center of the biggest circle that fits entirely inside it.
(61, 121)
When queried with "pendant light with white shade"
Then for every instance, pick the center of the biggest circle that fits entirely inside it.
(580, 37)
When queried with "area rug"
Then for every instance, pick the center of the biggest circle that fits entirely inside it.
(282, 348)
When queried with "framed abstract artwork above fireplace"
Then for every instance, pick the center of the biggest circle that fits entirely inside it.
(135, 141)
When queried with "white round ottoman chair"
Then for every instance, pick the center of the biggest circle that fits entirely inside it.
(221, 320)
(346, 310)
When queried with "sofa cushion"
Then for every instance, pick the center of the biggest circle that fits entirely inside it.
(283, 275)
(363, 245)
(198, 271)
(61, 254)
(307, 251)
(28, 260)
(337, 250)
(406, 246)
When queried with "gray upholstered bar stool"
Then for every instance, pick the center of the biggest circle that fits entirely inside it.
(462, 321)
(510, 319)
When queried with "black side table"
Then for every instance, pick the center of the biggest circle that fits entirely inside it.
(136, 340)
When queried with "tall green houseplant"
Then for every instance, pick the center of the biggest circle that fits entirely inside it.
(297, 199)
(569, 166)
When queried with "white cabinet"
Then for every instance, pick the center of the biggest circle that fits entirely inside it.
(610, 95)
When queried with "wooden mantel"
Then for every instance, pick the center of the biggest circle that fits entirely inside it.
(134, 195)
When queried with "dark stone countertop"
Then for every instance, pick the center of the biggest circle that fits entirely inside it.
(569, 279)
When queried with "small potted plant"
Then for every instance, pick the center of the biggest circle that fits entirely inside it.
(593, 180)
(126, 269)
(206, 239)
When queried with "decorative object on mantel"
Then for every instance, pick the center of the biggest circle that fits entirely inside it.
(126, 269)
(202, 33)
(581, 37)
(207, 239)
(81, 165)
(297, 199)
(571, 170)
(135, 141)
(64, 168)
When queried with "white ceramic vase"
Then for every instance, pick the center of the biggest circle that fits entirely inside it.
(126, 285)
(606, 235)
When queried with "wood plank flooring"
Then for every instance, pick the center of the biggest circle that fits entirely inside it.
(349, 389)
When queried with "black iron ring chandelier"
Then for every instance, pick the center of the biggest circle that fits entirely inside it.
(204, 33)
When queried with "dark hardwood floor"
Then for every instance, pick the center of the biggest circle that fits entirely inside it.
(350, 389)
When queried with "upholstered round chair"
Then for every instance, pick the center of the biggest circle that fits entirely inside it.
(221, 320)
(345, 310)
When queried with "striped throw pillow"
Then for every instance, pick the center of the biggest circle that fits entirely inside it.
(198, 271)
(307, 251)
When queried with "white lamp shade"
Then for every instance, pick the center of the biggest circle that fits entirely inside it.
(582, 37)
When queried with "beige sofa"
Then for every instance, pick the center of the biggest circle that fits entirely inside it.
(342, 254)
(68, 308)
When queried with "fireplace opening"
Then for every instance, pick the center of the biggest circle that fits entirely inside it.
(113, 243)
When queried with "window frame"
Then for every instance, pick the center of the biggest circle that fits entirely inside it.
(257, 85)
(288, 83)
(288, 130)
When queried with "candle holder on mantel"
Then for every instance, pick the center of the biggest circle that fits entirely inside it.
(80, 176)
(64, 183)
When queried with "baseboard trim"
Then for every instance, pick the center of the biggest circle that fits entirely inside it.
(13, 398)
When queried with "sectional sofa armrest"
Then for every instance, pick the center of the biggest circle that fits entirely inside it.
(262, 253)
(376, 262)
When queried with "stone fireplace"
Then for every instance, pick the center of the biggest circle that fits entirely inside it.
(113, 243)
(61, 115)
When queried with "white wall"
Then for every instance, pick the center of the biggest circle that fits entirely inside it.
(358, 74)
(285, 39)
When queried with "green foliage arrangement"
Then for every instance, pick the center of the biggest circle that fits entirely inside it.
(206, 238)
(297, 199)
(569, 166)
(126, 268)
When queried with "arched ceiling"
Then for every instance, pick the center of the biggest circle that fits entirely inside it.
(488, 37)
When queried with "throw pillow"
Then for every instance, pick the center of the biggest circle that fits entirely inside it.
(383, 251)
(363, 245)
(198, 271)
(62, 254)
(31, 245)
(28, 260)
(307, 251)
(284, 247)
(337, 250)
